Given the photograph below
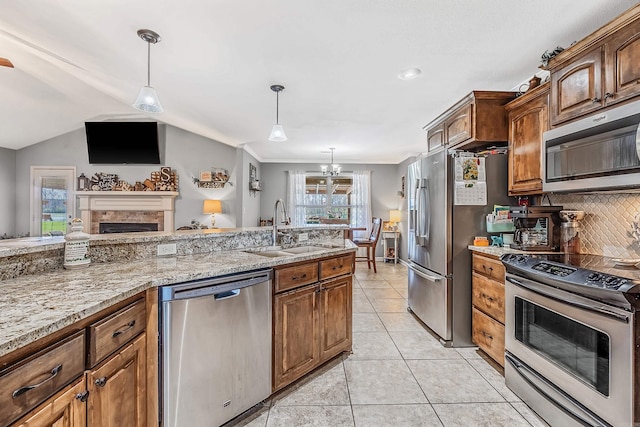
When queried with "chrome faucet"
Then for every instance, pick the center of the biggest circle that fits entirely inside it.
(285, 219)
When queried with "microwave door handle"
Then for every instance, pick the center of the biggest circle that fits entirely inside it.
(554, 395)
(565, 299)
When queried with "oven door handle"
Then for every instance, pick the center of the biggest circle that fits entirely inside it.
(566, 299)
(554, 395)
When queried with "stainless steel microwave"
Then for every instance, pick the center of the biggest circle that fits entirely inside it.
(599, 152)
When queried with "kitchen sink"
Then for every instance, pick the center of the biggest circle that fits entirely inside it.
(304, 249)
(270, 254)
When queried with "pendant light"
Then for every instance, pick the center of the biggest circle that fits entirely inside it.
(335, 168)
(277, 132)
(147, 99)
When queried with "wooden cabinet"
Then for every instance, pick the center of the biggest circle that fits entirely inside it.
(55, 381)
(599, 71)
(296, 331)
(335, 317)
(477, 119)
(576, 88)
(622, 61)
(528, 120)
(117, 388)
(311, 322)
(487, 318)
(435, 136)
(66, 409)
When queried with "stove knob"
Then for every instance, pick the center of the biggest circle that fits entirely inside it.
(521, 258)
(594, 277)
(611, 281)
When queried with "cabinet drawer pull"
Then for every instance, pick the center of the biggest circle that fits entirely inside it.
(101, 382)
(486, 335)
(485, 268)
(596, 100)
(304, 276)
(82, 397)
(23, 390)
(123, 330)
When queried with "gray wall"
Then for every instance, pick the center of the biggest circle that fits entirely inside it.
(248, 202)
(184, 151)
(385, 183)
(8, 192)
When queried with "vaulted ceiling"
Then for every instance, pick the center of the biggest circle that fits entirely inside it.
(81, 60)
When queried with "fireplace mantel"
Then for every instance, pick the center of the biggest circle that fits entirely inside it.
(127, 201)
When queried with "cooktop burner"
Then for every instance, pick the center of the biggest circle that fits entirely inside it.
(593, 276)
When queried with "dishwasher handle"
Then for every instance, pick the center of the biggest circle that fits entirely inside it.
(220, 288)
(226, 295)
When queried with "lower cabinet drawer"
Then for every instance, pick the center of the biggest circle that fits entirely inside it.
(335, 267)
(24, 387)
(488, 334)
(111, 333)
(293, 277)
(488, 296)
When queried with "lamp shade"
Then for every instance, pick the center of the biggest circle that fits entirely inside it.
(277, 134)
(148, 101)
(212, 206)
(395, 215)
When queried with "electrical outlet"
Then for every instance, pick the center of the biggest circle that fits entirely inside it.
(303, 237)
(167, 249)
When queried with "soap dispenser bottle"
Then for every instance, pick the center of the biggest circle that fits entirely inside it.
(76, 246)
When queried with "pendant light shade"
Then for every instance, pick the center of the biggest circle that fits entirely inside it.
(277, 131)
(147, 99)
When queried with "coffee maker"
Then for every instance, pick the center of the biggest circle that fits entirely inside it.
(537, 227)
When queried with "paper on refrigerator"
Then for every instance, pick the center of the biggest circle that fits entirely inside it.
(470, 181)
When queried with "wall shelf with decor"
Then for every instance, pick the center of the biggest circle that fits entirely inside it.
(254, 184)
(215, 178)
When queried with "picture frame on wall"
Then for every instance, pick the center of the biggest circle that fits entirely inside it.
(205, 176)
(387, 226)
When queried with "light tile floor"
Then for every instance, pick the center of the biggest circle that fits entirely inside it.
(398, 374)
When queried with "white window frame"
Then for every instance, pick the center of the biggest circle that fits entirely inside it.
(35, 207)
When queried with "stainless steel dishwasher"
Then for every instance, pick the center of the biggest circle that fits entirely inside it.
(215, 348)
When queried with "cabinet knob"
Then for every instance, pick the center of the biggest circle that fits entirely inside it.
(101, 382)
(82, 397)
(596, 100)
(608, 95)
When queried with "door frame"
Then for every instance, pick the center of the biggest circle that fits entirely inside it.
(35, 199)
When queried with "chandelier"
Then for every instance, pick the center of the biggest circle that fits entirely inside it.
(335, 168)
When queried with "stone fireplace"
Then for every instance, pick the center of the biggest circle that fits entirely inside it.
(127, 207)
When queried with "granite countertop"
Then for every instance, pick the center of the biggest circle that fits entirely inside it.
(34, 306)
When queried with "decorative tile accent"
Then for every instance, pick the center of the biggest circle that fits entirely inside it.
(606, 228)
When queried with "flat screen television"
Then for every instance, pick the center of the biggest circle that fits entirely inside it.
(123, 143)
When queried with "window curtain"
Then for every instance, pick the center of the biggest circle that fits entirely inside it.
(361, 203)
(295, 197)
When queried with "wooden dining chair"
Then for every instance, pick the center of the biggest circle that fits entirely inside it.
(370, 244)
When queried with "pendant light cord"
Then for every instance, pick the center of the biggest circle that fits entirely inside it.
(277, 106)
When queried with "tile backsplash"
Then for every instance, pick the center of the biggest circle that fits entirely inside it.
(606, 228)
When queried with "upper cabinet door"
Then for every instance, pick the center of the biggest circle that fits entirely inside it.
(459, 125)
(576, 88)
(435, 136)
(527, 122)
(622, 59)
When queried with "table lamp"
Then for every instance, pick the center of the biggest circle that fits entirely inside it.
(395, 217)
(213, 207)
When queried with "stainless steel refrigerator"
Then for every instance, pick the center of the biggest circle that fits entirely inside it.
(439, 233)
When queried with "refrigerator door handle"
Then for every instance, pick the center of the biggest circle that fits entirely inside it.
(422, 203)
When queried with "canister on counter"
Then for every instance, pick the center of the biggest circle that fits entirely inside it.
(76, 246)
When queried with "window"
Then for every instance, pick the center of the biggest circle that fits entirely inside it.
(317, 199)
(52, 199)
(327, 200)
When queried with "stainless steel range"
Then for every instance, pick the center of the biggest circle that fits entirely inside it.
(572, 338)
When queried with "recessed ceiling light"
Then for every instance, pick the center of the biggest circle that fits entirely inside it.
(409, 73)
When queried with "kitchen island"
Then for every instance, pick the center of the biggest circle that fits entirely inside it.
(47, 307)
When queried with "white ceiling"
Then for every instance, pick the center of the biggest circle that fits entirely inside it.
(79, 60)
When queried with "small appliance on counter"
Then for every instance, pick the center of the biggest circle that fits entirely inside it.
(570, 231)
(537, 227)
